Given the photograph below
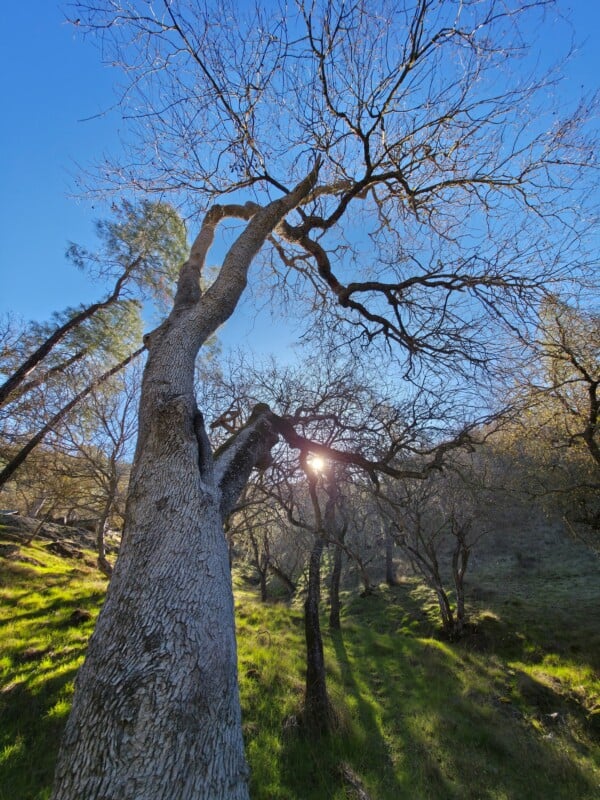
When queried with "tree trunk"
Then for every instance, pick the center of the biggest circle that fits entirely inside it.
(264, 593)
(368, 588)
(460, 561)
(334, 591)
(317, 710)
(156, 713)
(285, 579)
(390, 570)
(445, 609)
(103, 563)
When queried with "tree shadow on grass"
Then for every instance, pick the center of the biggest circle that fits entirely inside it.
(430, 718)
(367, 691)
(33, 719)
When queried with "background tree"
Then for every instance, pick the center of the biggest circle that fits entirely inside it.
(437, 523)
(99, 441)
(554, 435)
(400, 177)
(260, 536)
(142, 246)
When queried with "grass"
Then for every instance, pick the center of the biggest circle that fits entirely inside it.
(509, 713)
(40, 651)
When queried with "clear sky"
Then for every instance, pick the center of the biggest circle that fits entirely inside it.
(51, 81)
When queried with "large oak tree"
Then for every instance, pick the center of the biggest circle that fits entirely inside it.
(401, 176)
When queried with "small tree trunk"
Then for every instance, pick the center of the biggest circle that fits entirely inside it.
(284, 578)
(390, 570)
(103, 563)
(38, 527)
(317, 710)
(334, 591)
(445, 609)
(36, 507)
(264, 594)
(460, 560)
(368, 588)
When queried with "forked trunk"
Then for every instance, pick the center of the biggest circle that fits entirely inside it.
(156, 714)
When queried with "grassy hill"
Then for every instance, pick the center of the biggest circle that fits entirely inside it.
(510, 713)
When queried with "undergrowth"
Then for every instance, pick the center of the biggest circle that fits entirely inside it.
(510, 712)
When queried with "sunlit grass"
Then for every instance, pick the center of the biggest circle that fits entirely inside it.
(507, 714)
(40, 651)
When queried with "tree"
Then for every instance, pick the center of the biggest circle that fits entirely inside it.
(556, 434)
(97, 441)
(141, 247)
(437, 523)
(376, 155)
(318, 713)
(258, 531)
(15, 459)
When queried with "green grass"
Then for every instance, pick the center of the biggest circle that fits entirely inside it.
(509, 713)
(40, 651)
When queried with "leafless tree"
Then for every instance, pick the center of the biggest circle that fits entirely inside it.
(261, 536)
(554, 436)
(18, 456)
(97, 441)
(403, 173)
(437, 523)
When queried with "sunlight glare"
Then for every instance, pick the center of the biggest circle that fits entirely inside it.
(317, 463)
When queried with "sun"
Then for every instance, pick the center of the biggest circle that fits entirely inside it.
(317, 463)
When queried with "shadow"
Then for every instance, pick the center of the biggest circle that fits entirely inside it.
(386, 776)
(33, 719)
(60, 609)
(436, 719)
(384, 658)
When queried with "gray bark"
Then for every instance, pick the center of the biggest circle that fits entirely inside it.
(103, 563)
(156, 713)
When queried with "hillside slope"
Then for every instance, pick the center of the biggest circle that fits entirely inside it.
(512, 712)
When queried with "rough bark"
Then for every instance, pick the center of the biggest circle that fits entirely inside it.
(103, 563)
(156, 713)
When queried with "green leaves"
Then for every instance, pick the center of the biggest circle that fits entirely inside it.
(147, 240)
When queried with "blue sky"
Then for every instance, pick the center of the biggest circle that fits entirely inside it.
(50, 82)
